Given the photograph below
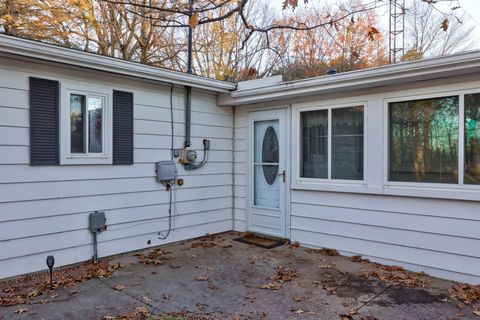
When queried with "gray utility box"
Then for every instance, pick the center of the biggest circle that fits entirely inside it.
(97, 221)
(166, 172)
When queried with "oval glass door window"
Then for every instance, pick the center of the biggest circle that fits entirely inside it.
(270, 155)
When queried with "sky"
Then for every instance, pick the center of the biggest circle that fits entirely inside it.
(471, 9)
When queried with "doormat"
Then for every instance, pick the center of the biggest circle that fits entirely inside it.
(261, 242)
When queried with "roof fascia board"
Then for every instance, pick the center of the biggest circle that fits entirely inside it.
(47, 52)
(429, 69)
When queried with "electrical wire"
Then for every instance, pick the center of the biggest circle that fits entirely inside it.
(170, 187)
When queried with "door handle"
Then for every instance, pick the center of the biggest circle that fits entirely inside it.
(283, 174)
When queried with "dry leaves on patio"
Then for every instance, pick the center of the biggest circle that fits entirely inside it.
(466, 293)
(324, 251)
(140, 313)
(211, 241)
(24, 288)
(284, 274)
(271, 286)
(118, 287)
(395, 276)
(359, 259)
(156, 257)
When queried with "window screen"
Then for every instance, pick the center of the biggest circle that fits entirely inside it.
(314, 126)
(346, 143)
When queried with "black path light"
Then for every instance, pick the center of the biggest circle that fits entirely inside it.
(50, 263)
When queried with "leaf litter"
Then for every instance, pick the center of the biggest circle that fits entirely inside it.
(24, 289)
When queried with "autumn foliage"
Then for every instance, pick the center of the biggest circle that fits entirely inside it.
(233, 39)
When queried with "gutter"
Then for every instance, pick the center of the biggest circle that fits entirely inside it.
(428, 69)
(48, 52)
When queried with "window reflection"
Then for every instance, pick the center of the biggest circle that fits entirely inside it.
(424, 140)
(95, 113)
(347, 143)
(77, 123)
(472, 139)
(314, 126)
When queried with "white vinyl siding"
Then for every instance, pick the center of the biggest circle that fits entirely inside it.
(44, 210)
(421, 228)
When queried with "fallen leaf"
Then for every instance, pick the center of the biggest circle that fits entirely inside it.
(476, 311)
(271, 286)
(445, 24)
(21, 310)
(201, 278)
(33, 294)
(352, 312)
(294, 245)
(72, 292)
(250, 296)
(118, 287)
(299, 298)
(142, 311)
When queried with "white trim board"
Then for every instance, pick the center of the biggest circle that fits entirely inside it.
(37, 50)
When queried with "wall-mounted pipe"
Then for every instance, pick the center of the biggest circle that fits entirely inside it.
(189, 156)
(206, 147)
(188, 117)
(188, 106)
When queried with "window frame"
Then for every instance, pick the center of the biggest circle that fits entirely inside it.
(66, 156)
(460, 185)
(298, 145)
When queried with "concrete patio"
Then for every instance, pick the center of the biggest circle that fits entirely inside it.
(218, 278)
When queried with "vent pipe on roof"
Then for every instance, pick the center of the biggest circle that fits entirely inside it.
(331, 71)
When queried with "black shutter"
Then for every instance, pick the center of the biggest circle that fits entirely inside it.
(44, 122)
(122, 127)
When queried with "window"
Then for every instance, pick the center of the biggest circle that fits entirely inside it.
(71, 125)
(426, 144)
(332, 143)
(86, 125)
(472, 139)
(424, 140)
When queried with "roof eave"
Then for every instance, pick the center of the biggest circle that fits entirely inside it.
(429, 69)
(47, 52)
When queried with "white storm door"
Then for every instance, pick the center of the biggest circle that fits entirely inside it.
(266, 172)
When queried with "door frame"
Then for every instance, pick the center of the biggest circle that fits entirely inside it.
(249, 183)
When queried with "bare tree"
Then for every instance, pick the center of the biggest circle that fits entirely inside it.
(431, 32)
(235, 39)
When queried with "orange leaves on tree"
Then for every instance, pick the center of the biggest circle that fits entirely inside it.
(193, 21)
(372, 32)
(445, 25)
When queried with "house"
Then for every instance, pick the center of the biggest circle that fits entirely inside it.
(383, 162)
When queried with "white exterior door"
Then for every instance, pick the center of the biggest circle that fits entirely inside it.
(266, 172)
